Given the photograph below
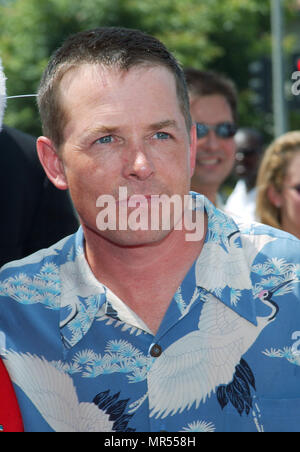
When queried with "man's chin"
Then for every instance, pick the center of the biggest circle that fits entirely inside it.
(211, 175)
(139, 238)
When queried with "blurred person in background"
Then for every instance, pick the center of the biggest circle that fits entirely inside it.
(213, 101)
(278, 184)
(242, 201)
(35, 214)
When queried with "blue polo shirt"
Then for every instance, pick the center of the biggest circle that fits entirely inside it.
(225, 358)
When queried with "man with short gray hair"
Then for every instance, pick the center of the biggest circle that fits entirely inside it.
(140, 329)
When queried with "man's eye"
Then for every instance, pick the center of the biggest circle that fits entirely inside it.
(105, 140)
(162, 136)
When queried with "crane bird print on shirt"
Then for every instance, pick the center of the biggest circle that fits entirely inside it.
(238, 392)
(53, 394)
(210, 359)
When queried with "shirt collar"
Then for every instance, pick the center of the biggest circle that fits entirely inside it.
(223, 268)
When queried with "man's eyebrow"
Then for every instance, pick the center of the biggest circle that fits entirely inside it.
(163, 124)
(93, 131)
(102, 129)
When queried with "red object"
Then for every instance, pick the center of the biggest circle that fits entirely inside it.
(298, 64)
(10, 416)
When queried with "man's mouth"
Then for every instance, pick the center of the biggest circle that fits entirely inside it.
(208, 162)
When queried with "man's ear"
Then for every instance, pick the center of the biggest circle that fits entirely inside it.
(51, 163)
(274, 196)
(193, 148)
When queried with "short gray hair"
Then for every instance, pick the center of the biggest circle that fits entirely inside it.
(2, 94)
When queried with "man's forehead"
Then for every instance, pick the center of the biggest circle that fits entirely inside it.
(83, 83)
(102, 75)
(210, 103)
(96, 85)
(111, 108)
(83, 71)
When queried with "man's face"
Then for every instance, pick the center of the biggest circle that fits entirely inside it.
(124, 129)
(215, 155)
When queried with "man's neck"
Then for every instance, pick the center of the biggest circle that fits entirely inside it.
(145, 277)
(105, 256)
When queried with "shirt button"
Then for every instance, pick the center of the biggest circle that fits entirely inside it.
(155, 351)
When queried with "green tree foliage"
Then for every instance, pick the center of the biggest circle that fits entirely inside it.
(224, 35)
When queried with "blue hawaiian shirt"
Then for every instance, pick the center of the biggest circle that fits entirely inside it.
(225, 358)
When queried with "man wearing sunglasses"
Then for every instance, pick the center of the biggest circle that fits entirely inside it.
(213, 107)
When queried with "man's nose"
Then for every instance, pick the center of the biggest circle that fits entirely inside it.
(138, 164)
(210, 142)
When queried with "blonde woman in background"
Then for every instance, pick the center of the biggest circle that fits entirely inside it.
(278, 183)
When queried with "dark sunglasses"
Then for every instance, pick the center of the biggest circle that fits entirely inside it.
(222, 130)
